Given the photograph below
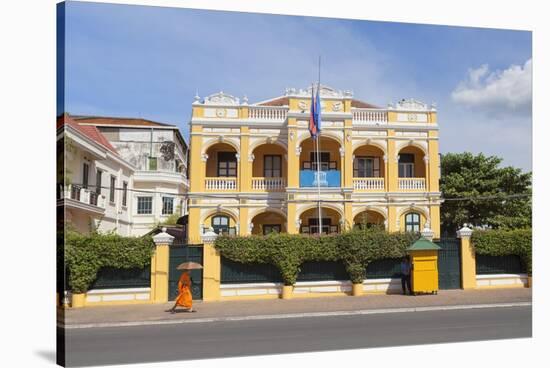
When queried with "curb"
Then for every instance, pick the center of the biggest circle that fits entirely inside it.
(295, 315)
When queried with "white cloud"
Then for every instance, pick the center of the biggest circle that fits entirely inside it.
(497, 91)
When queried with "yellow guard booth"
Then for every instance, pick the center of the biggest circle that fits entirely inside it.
(424, 275)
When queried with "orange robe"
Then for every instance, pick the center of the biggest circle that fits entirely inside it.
(184, 298)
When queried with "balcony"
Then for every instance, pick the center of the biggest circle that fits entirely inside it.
(84, 198)
(220, 184)
(368, 184)
(268, 184)
(412, 184)
(267, 113)
(313, 179)
(370, 116)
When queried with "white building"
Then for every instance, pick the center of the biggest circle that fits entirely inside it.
(144, 164)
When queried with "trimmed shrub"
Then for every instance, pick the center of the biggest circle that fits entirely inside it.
(505, 242)
(86, 254)
(355, 249)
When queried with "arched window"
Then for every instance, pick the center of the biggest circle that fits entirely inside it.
(412, 222)
(220, 224)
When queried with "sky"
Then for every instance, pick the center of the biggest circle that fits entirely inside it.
(149, 62)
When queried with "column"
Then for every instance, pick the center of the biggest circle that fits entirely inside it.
(348, 155)
(468, 258)
(194, 225)
(392, 219)
(292, 227)
(160, 267)
(433, 149)
(211, 273)
(348, 216)
(197, 163)
(392, 166)
(245, 165)
(435, 220)
(244, 229)
(293, 155)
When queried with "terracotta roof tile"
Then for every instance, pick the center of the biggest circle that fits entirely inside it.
(89, 131)
(99, 120)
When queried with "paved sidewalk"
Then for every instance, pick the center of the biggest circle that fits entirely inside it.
(157, 312)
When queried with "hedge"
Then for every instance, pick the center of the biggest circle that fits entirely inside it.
(355, 249)
(86, 254)
(505, 242)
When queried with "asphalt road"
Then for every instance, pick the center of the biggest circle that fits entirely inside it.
(122, 345)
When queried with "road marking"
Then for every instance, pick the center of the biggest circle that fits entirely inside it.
(296, 315)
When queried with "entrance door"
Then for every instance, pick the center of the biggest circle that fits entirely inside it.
(448, 263)
(179, 254)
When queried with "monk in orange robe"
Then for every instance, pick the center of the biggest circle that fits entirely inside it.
(184, 298)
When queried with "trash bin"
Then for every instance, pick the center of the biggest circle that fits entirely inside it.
(424, 273)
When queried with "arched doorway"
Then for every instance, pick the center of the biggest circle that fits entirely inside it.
(368, 219)
(329, 163)
(268, 222)
(330, 221)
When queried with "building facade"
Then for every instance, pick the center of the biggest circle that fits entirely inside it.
(138, 182)
(254, 165)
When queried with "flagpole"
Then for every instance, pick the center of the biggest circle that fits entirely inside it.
(318, 139)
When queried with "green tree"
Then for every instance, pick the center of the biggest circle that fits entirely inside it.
(468, 175)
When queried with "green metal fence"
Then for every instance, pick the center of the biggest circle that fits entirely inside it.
(384, 269)
(235, 272)
(116, 278)
(322, 271)
(487, 265)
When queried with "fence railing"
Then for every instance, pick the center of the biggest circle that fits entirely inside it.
(116, 278)
(268, 184)
(368, 183)
(221, 184)
(412, 184)
(84, 195)
(370, 116)
(488, 265)
(268, 113)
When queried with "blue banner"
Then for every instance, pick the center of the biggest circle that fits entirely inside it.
(309, 178)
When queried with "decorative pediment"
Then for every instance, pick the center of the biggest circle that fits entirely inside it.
(221, 98)
(326, 92)
(411, 104)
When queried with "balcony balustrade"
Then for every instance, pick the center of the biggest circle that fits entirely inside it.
(368, 184)
(268, 184)
(370, 116)
(412, 184)
(84, 195)
(268, 113)
(221, 184)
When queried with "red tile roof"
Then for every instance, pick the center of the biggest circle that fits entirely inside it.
(89, 131)
(102, 120)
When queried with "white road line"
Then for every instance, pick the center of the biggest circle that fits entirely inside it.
(297, 315)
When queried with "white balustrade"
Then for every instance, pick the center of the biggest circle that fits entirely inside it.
(368, 183)
(412, 183)
(221, 183)
(84, 195)
(269, 184)
(370, 116)
(267, 113)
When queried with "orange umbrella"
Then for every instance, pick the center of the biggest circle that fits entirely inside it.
(189, 266)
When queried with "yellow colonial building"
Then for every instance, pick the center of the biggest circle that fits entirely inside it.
(252, 166)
